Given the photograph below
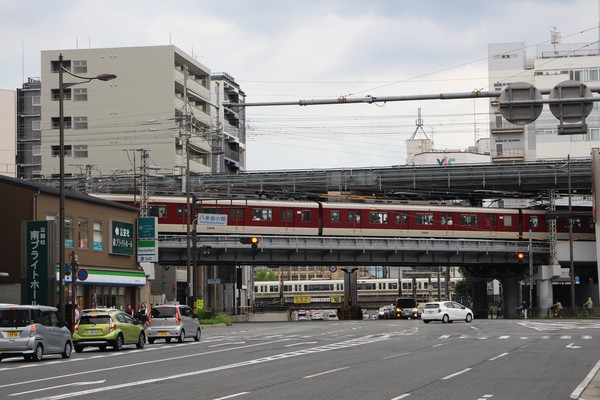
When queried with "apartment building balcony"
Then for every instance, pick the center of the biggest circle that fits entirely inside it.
(508, 155)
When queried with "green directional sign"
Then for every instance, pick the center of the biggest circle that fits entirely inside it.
(121, 238)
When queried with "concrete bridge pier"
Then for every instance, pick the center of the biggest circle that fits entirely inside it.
(479, 292)
(510, 296)
(544, 277)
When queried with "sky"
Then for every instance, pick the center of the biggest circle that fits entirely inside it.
(282, 50)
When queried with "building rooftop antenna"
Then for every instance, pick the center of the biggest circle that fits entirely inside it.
(419, 123)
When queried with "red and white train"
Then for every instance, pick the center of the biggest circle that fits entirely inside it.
(273, 217)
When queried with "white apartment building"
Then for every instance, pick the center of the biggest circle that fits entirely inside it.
(552, 63)
(145, 107)
(8, 144)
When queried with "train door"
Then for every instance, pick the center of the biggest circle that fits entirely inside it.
(287, 219)
(401, 220)
(355, 221)
(491, 225)
(447, 223)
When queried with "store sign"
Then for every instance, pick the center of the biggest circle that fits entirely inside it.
(37, 262)
(121, 238)
(147, 245)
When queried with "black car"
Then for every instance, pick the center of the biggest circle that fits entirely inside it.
(407, 308)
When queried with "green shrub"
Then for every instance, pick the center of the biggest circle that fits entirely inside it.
(220, 318)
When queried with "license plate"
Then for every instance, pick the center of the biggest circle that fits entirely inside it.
(13, 334)
(92, 331)
(163, 333)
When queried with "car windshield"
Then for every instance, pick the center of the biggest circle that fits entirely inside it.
(163, 312)
(406, 303)
(94, 320)
(15, 318)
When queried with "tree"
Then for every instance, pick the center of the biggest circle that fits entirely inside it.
(264, 275)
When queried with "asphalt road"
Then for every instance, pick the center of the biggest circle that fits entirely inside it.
(388, 359)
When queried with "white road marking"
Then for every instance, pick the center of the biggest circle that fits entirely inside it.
(60, 386)
(497, 357)
(402, 396)
(579, 389)
(457, 373)
(232, 395)
(503, 337)
(395, 355)
(323, 373)
(299, 344)
(572, 346)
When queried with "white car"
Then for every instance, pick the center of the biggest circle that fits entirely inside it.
(446, 311)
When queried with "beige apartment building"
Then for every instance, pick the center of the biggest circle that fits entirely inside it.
(159, 100)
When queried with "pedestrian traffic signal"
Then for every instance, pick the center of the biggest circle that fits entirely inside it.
(253, 240)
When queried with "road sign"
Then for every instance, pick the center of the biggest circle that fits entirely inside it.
(82, 274)
(520, 114)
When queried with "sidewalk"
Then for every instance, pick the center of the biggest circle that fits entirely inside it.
(589, 389)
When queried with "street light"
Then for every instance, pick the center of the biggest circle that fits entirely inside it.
(61, 211)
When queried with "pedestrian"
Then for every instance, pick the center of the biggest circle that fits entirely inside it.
(77, 313)
(589, 306)
(143, 313)
(499, 313)
(524, 309)
(129, 310)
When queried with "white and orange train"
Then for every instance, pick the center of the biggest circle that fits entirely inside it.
(275, 217)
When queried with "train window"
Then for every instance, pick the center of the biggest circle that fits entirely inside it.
(181, 211)
(287, 288)
(378, 217)
(157, 211)
(446, 219)
(575, 221)
(468, 219)
(334, 216)
(211, 210)
(354, 216)
(533, 221)
(406, 285)
(393, 285)
(365, 286)
(287, 214)
(262, 214)
(306, 215)
(319, 287)
(273, 288)
(402, 218)
(236, 214)
(491, 220)
(591, 223)
(507, 220)
(424, 218)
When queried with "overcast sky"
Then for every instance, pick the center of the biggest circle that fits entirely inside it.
(281, 50)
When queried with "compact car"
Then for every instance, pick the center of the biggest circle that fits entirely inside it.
(108, 328)
(33, 332)
(172, 321)
(446, 311)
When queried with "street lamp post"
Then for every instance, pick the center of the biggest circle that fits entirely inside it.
(61, 211)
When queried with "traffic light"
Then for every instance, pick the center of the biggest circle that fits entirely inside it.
(253, 240)
(521, 257)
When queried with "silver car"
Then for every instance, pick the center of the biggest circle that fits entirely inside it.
(32, 332)
(171, 321)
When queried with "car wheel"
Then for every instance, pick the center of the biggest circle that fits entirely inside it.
(68, 350)
(469, 318)
(118, 346)
(151, 340)
(198, 334)
(141, 341)
(445, 319)
(39, 353)
(426, 321)
(79, 349)
(181, 337)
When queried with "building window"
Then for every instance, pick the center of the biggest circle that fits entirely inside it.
(56, 151)
(80, 66)
(54, 65)
(69, 232)
(55, 94)
(36, 100)
(80, 122)
(36, 125)
(98, 236)
(80, 94)
(80, 151)
(36, 150)
(56, 122)
(84, 233)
